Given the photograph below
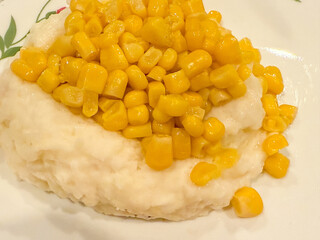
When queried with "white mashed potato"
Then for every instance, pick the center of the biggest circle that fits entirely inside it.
(48, 146)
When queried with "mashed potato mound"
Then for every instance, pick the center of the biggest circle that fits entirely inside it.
(60, 152)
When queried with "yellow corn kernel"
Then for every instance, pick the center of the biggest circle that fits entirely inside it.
(54, 63)
(48, 81)
(90, 103)
(79, 5)
(70, 69)
(244, 72)
(257, 69)
(157, 73)
(155, 90)
(264, 84)
(224, 77)
(181, 57)
(288, 113)
(270, 104)
(245, 44)
(277, 165)
(149, 59)
(137, 79)
(116, 27)
(145, 142)
(115, 117)
(212, 35)
(138, 7)
(140, 131)
(22, 70)
(247, 202)
(181, 143)
(127, 37)
(274, 79)
(173, 105)
(175, 17)
(169, 59)
(138, 115)
(92, 9)
(107, 39)
(227, 50)
(218, 96)
(179, 43)
(74, 23)
(195, 111)
(56, 94)
(35, 58)
(116, 84)
(200, 81)
(62, 46)
(213, 129)
(105, 103)
(204, 172)
(192, 6)
(160, 116)
(157, 31)
(176, 82)
(193, 125)
(93, 27)
(215, 15)
(204, 93)
(226, 158)
(135, 98)
(157, 8)
(162, 128)
(111, 11)
(194, 99)
(213, 148)
(71, 96)
(92, 77)
(198, 146)
(143, 43)
(98, 117)
(133, 24)
(196, 62)
(274, 143)
(239, 89)
(274, 124)
(194, 34)
(247, 57)
(133, 52)
(113, 58)
(84, 46)
(159, 152)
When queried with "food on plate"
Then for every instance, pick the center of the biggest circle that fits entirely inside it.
(150, 109)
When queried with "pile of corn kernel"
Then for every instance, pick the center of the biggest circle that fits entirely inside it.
(152, 69)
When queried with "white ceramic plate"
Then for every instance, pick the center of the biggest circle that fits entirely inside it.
(288, 34)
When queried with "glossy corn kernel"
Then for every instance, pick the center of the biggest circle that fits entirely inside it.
(173, 105)
(135, 98)
(138, 115)
(84, 46)
(227, 50)
(179, 43)
(213, 129)
(116, 27)
(194, 34)
(71, 96)
(138, 7)
(215, 15)
(79, 5)
(213, 148)
(133, 52)
(204, 172)
(212, 35)
(157, 73)
(137, 79)
(218, 96)
(155, 90)
(200, 81)
(274, 79)
(175, 17)
(196, 111)
(237, 90)
(176, 82)
(93, 9)
(244, 72)
(274, 124)
(140, 131)
(192, 6)
(168, 59)
(274, 143)
(93, 27)
(247, 202)
(143, 43)
(288, 113)
(23, 70)
(57, 92)
(159, 152)
(258, 69)
(54, 63)
(107, 39)
(35, 58)
(193, 125)
(70, 69)
(264, 84)
(48, 81)
(196, 62)
(115, 117)
(157, 8)
(162, 128)
(277, 165)
(90, 103)
(116, 84)
(62, 46)
(149, 59)
(198, 146)
(113, 58)
(127, 37)
(181, 143)
(270, 104)
(224, 77)
(133, 24)
(194, 99)
(160, 116)
(226, 158)
(92, 77)
(247, 57)
(74, 23)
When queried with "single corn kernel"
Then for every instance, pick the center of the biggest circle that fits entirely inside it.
(247, 202)
(227, 50)
(149, 59)
(212, 35)
(160, 116)
(93, 8)
(181, 143)
(204, 93)
(54, 63)
(196, 62)
(98, 117)
(218, 96)
(137, 79)
(213, 129)
(226, 158)
(175, 17)
(270, 104)
(74, 23)
(155, 90)
(274, 79)
(274, 143)
(23, 70)
(173, 105)
(264, 84)
(48, 81)
(215, 15)
(56, 94)
(93, 27)
(200, 81)
(157, 8)
(168, 59)
(194, 99)
(213, 148)
(196, 111)
(116, 27)
(138, 115)
(127, 37)
(239, 89)
(62, 46)
(105, 103)
(288, 113)
(176, 82)
(194, 33)
(133, 24)
(204, 172)
(113, 58)
(92, 77)
(35, 58)
(245, 44)
(110, 11)
(157, 73)
(79, 5)
(257, 55)
(244, 72)
(71, 96)
(144, 143)
(257, 69)
(90, 103)
(193, 125)
(135, 98)
(84, 46)
(198, 146)
(159, 152)
(247, 56)
(115, 117)
(70, 69)
(162, 128)
(116, 84)
(140, 131)
(274, 124)
(179, 43)
(224, 77)
(133, 52)
(107, 39)
(192, 6)
(138, 7)
(277, 165)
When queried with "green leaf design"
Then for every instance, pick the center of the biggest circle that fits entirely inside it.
(10, 52)
(11, 33)
(1, 44)
(49, 14)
